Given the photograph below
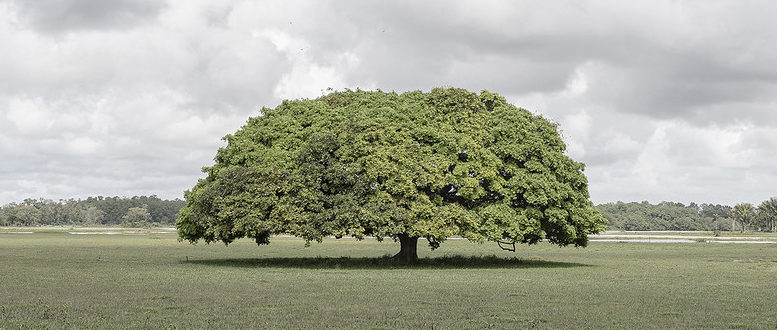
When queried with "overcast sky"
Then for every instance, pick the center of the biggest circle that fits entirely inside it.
(663, 100)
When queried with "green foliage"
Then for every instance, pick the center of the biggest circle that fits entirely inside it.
(665, 216)
(136, 217)
(359, 163)
(93, 215)
(766, 215)
(92, 211)
(743, 213)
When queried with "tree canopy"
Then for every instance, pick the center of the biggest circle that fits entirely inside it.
(370, 163)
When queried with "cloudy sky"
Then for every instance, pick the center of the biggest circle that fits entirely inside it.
(663, 100)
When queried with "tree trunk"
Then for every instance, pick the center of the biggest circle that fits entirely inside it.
(408, 251)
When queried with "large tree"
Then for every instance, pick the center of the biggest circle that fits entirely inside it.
(743, 213)
(767, 214)
(405, 166)
(137, 216)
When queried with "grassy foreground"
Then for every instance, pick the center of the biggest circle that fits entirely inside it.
(54, 280)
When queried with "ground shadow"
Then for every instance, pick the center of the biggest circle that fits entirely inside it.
(385, 263)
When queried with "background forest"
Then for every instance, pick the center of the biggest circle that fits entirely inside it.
(677, 216)
(150, 211)
(137, 211)
(667, 216)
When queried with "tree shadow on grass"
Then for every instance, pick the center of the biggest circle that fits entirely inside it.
(447, 262)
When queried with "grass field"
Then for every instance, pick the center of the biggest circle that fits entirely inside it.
(53, 279)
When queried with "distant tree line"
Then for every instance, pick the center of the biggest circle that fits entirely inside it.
(678, 216)
(137, 211)
(761, 217)
(145, 211)
(666, 216)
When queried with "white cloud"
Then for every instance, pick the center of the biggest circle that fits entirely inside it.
(83, 146)
(662, 100)
(575, 130)
(307, 78)
(620, 143)
(577, 84)
(30, 116)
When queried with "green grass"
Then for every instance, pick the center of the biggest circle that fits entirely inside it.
(54, 280)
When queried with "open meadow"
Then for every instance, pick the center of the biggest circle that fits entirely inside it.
(141, 279)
